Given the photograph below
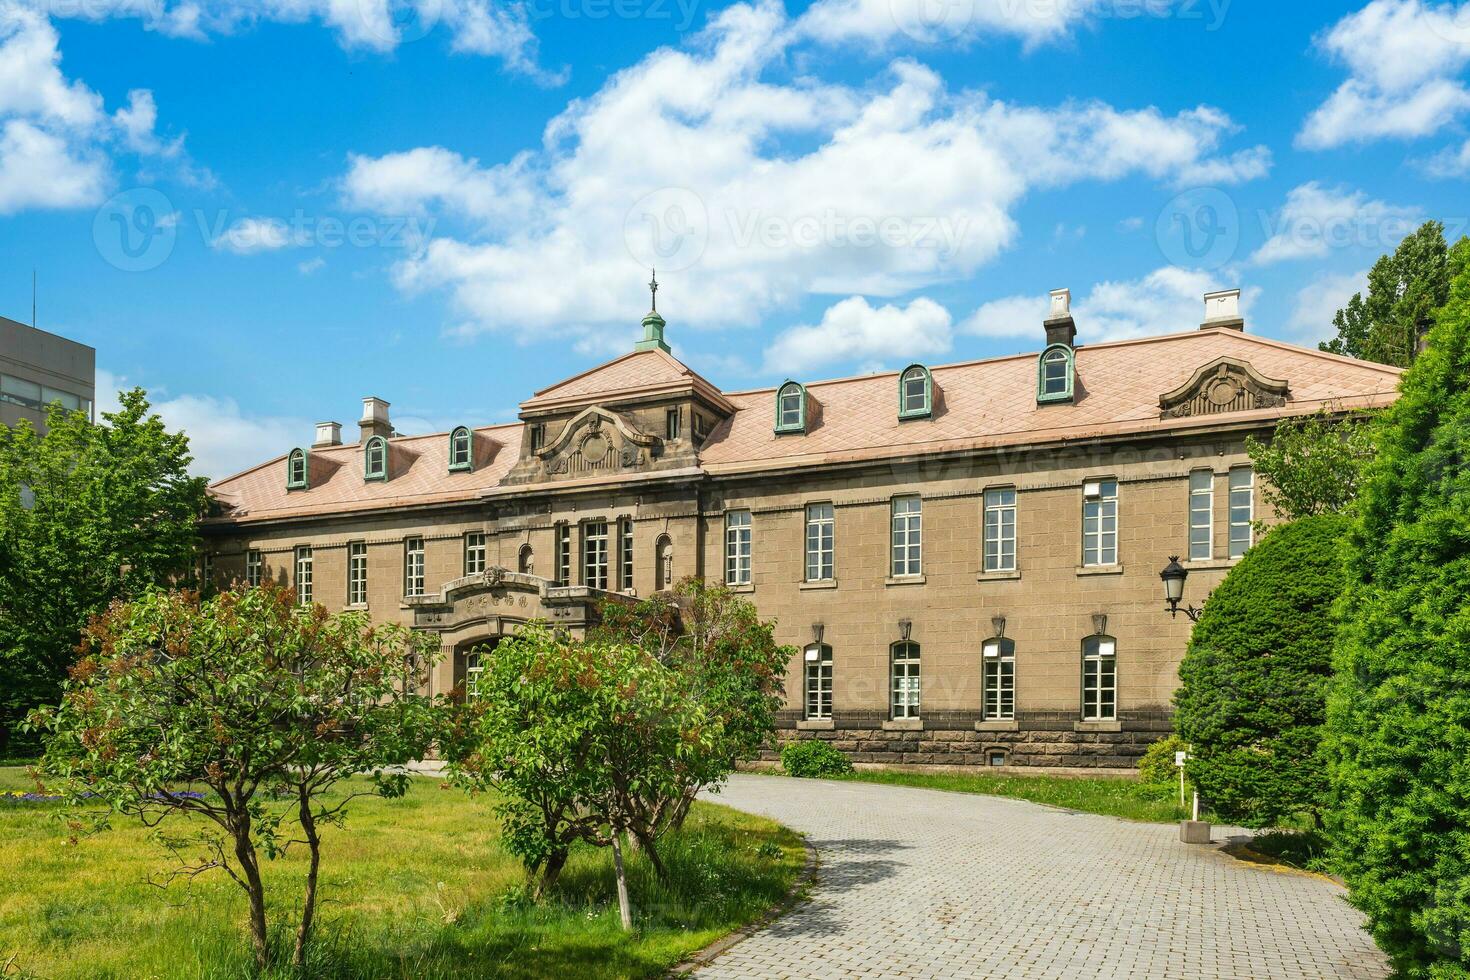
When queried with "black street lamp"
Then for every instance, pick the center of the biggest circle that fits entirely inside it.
(1174, 575)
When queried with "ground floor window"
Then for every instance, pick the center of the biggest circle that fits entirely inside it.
(818, 658)
(999, 666)
(905, 674)
(303, 575)
(472, 672)
(1099, 678)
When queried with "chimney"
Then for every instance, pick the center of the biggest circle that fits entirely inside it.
(328, 434)
(1222, 309)
(374, 421)
(1060, 328)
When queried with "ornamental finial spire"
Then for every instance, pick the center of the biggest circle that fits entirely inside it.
(653, 324)
(653, 289)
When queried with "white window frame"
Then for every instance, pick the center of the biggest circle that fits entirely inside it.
(999, 545)
(413, 566)
(998, 679)
(594, 554)
(1201, 515)
(563, 554)
(304, 590)
(1099, 679)
(821, 542)
(625, 553)
(905, 680)
(737, 547)
(1099, 508)
(254, 567)
(474, 552)
(817, 682)
(357, 573)
(473, 671)
(1242, 502)
(906, 544)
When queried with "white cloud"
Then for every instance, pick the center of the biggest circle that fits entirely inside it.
(1403, 58)
(32, 85)
(40, 170)
(852, 330)
(311, 266)
(879, 22)
(1318, 301)
(250, 235)
(1453, 161)
(1316, 219)
(749, 194)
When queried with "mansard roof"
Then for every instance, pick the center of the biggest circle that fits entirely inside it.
(978, 406)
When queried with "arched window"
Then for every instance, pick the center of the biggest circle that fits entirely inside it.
(663, 572)
(1099, 678)
(915, 393)
(904, 672)
(461, 455)
(818, 681)
(1054, 374)
(998, 678)
(296, 470)
(526, 561)
(790, 408)
(375, 459)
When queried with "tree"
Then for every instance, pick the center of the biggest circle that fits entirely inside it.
(1253, 683)
(1399, 713)
(1312, 464)
(88, 514)
(264, 704)
(1404, 290)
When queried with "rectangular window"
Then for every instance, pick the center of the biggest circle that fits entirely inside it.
(908, 534)
(905, 671)
(1100, 522)
(303, 575)
(671, 424)
(473, 671)
(999, 659)
(737, 548)
(625, 553)
(1000, 530)
(413, 566)
(701, 428)
(820, 553)
(254, 568)
(818, 681)
(357, 574)
(538, 437)
(474, 553)
(1201, 514)
(1242, 509)
(1099, 679)
(594, 554)
(563, 554)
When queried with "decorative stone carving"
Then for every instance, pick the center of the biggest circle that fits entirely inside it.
(597, 441)
(1224, 385)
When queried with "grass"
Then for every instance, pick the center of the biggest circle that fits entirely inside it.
(416, 887)
(1109, 796)
(1304, 849)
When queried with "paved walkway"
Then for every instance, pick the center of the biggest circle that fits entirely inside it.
(921, 883)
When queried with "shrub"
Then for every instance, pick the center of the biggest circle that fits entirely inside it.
(1253, 683)
(1157, 768)
(812, 759)
(1400, 712)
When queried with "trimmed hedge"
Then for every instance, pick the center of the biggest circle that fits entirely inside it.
(1253, 683)
(813, 759)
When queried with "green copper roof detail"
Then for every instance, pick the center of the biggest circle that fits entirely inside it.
(653, 324)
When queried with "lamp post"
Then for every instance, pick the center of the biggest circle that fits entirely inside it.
(1174, 575)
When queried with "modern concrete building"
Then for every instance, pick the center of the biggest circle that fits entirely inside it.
(965, 557)
(38, 368)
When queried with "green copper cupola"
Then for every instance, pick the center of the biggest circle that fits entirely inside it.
(653, 324)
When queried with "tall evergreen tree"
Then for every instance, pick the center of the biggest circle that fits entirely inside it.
(1399, 711)
(89, 513)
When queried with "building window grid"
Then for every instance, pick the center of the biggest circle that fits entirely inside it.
(1000, 530)
(1242, 509)
(357, 574)
(820, 543)
(254, 567)
(460, 449)
(303, 575)
(908, 537)
(594, 554)
(1100, 523)
(737, 548)
(473, 670)
(474, 553)
(1201, 514)
(625, 554)
(563, 554)
(905, 686)
(999, 659)
(1099, 679)
(818, 682)
(413, 567)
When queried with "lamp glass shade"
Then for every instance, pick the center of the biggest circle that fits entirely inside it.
(1174, 575)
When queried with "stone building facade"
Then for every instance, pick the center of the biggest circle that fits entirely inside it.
(966, 557)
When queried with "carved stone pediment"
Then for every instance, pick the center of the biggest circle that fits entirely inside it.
(597, 441)
(1224, 385)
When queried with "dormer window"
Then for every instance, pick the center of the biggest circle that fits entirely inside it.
(375, 459)
(461, 457)
(915, 393)
(1054, 374)
(538, 437)
(296, 470)
(790, 408)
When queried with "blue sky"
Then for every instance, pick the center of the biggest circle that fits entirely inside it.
(262, 212)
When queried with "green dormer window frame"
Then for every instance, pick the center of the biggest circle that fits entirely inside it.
(790, 408)
(297, 469)
(375, 459)
(461, 450)
(1055, 370)
(915, 393)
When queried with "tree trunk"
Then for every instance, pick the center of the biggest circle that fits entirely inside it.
(624, 911)
(650, 850)
(555, 861)
(308, 903)
(254, 887)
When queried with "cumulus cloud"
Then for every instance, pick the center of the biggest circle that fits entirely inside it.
(41, 170)
(1316, 219)
(878, 22)
(1451, 162)
(854, 331)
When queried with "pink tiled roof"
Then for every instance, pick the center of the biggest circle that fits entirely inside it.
(636, 373)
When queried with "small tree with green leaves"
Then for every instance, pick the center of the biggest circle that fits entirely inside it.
(1313, 464)
(263, 705)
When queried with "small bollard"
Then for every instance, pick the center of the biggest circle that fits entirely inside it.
(1194, 831)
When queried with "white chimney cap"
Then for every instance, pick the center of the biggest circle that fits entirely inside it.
(1061, 303)
(374, 409)
(328, 434)
(1223, 308)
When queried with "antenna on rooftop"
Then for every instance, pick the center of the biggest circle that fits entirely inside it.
(653, 289)
(33, 297)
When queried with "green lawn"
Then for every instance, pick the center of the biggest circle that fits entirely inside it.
(416, 887)
(1110, 796)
